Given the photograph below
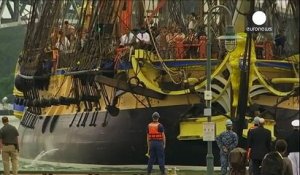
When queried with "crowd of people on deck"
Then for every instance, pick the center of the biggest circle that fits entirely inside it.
(170, 42)
(62, 41)
(63, 38)
(268, 47)
(176, 42)
(173, 42)
(263, 156)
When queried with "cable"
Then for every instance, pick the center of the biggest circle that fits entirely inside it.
(165, 67)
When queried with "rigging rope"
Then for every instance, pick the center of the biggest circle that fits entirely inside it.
(165, 67)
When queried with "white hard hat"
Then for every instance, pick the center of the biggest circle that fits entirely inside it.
(295, 123)
(228, 122)
(256, 120)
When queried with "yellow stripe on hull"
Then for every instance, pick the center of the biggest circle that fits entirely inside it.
(18, 114)
(192, 128)
(285, 80)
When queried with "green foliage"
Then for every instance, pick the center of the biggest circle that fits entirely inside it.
(11, 44)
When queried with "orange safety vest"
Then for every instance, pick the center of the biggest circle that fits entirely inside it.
(153, 132)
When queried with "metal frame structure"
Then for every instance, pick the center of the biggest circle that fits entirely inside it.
(18, 11)
(208, 92)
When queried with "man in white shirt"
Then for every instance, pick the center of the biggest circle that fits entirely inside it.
(63, 43)
(143, 37)
(127, 39)
(69, 30)
(192, 21)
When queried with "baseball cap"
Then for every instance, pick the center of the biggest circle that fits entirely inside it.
(228, 122)
(256, 120)
(295, 122)
(155, 115)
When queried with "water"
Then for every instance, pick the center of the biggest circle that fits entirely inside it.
(39, 166)
(39, 157)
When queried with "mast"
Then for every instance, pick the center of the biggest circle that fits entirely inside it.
(244, 80)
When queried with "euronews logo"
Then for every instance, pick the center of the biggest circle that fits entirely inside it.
(259, 18)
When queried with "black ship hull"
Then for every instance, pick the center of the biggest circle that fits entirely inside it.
(119, 140)
(122, 141)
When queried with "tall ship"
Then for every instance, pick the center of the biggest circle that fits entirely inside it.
(87, 81)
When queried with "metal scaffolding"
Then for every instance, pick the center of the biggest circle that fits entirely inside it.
(16, 12)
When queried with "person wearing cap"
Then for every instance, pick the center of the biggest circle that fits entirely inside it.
(9, 147)
(259, 141)
(293, 147)
(226, 141)
(256, 118)
(156, 142)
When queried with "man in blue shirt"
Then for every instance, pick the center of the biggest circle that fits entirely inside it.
(226, 141)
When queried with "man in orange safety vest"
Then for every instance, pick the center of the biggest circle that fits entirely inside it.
(156, 141)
